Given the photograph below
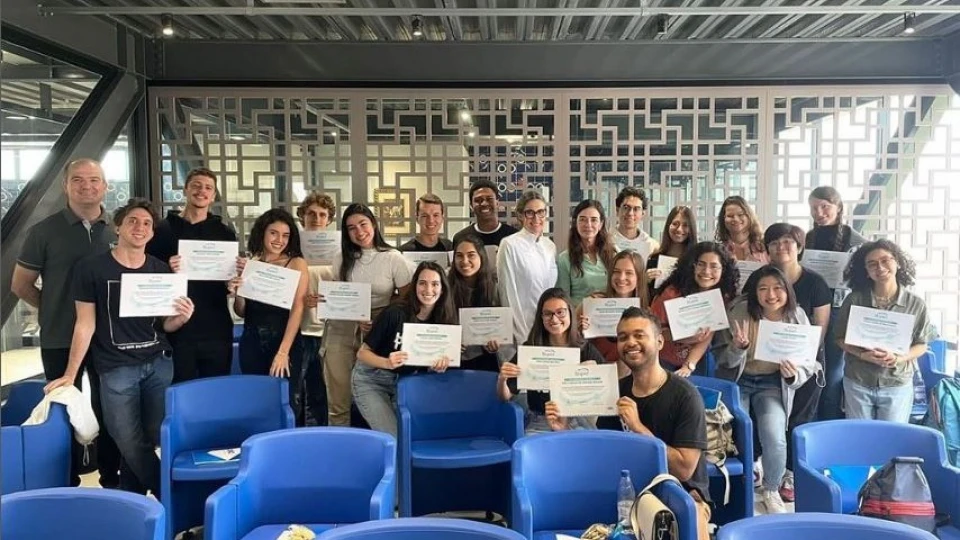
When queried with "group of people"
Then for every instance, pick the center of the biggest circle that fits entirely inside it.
(80, 254)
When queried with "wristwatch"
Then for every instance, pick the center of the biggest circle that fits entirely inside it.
(691, 366)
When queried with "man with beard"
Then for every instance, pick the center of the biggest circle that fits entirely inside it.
(204, 346)
(657, 403)
(484, 203)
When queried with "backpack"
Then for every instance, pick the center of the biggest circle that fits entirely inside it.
(719, 439)
(945, 415)
(899, 492)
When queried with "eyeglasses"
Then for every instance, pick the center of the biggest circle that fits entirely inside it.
(560, 314)
(887, 262)
(530, 214)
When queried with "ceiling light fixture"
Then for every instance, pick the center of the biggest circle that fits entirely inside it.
(417, 26)
(465, 116)
(909, 23)
(166, 25)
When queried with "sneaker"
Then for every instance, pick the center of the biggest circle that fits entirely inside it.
(757, 474)
(786, 487)
(772, 503)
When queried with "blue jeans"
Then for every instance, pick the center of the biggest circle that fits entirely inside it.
(375, 393)
(893, 403)
(258, 346)
(763, 394)
(310, 385)
(133, 408)
(831, 397)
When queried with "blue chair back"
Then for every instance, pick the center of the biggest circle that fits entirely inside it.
(219, 412)
(11, 460)
(421, 529)
(571, 478)
(284, 470)
(804, 526)
(455, 404)
(80, 514)
(729, 391)
(824, 444)
(23, 398)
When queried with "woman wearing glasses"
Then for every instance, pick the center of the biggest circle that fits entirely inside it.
(526, 263)
(365, 258)
(878, 382)
(552, 328)
(704, 267)
(582, 269)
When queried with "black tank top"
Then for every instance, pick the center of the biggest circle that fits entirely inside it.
(258, 314)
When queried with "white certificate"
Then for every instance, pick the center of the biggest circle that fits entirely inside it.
(605, 314)
(688, 314)
(150, 295)
(746, 268)
(319, 247)
(777, 341)
(208, 261)
(440, 257)
(481, 325)
(879, 328)
(269, 284)
(666, 265)
(829, 264)
(427, 343)
(535, 364)
(585, 390)
(344, 301)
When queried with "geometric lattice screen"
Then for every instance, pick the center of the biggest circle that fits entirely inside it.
(893, 152)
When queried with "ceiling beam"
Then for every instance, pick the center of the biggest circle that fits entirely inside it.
(38, 72)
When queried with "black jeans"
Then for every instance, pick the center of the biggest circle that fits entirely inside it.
(108, 455)
(193, 359)
(311, 387)
(258, 346)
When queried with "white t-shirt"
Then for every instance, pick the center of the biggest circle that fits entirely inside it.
(385, 271)
(643, 244)
(309, 326)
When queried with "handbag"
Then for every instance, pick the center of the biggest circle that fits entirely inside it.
(650, 519)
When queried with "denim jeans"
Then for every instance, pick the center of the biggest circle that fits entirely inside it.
(893, 403)
(310, 386)
(133, 408)
(258, 346)
(831, 397)
(375, 393)
(763, 394)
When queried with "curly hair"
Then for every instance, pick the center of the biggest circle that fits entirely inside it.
(756, 234)
(605, 248)
(255, 244)
(320, 199)
(750, 291)
(684, 277)
(484, 292)
(856, 271)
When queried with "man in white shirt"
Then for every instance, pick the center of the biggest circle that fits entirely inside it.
(631, 209)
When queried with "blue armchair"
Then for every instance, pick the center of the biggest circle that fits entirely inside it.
(739, 467)
(564, 482)
(421, 529)
(209, 414)
(37, 456)
(822, 445)
(455, 440)
(80, 514)
(317, 477)
(821, 527)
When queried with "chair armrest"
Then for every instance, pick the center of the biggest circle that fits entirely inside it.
(169, 447)
(743, 438)
(945, 488)
(221, 514)
(383, 498)
(510, 421)
(522, 518)
(683, 507)
(815, 492)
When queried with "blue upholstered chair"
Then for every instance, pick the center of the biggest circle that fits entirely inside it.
(37, 456)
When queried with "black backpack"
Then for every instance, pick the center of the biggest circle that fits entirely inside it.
(899, 492)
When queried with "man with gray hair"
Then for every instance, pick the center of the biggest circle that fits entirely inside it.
(52, 248)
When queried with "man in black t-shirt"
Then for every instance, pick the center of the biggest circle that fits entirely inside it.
(131, 354)
(657, 403)
(485, 206)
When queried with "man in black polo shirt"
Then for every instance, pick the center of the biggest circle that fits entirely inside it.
(52, 248)
(204, 346)
(657, 403)
(483, 202)
(130, 353)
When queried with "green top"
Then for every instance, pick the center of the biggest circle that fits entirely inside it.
(579, 285)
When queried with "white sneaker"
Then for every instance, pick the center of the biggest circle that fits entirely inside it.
(772, 502)
(757, 474)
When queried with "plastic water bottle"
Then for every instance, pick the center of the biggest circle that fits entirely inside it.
(625, 497)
